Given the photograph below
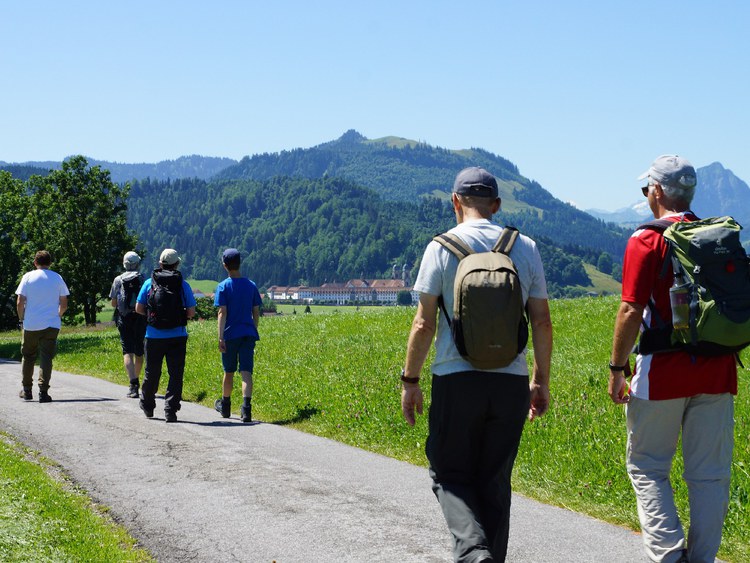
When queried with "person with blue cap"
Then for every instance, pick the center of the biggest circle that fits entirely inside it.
(477, 414)
(239, 302)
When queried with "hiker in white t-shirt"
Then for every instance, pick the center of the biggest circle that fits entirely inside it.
(476, 415)
(42, 301)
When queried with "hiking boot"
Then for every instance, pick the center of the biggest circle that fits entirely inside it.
(223, 406)
(148, 412)
(25, 394)
(246, 412)
(133, 391)
(44, 397)
(170, 416)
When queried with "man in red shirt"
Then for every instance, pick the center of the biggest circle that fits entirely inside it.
(671, 391)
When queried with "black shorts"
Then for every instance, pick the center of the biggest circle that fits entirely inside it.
(132, 332)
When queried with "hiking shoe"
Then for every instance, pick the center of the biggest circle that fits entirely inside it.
(246, 413)
(133, 391)
(170, 417)
(223, 406)
(148, 412)
(26, 395)
(44, 397)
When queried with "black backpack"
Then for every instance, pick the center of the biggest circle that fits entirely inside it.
(130, 286)
(166, 306)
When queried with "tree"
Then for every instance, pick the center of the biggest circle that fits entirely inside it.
(617, 272)
(268, 306)
(13, 207)
(404, 298)
(604, 264)
(78, 214)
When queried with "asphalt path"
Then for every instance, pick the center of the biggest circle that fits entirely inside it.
(212, 489)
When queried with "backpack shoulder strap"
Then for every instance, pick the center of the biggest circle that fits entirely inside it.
(661, 225)
(506, 240)
(453, 244)
(656, 224)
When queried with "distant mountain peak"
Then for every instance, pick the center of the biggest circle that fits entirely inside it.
(351, 137)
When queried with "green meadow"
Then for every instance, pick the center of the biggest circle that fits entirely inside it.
(336, 375)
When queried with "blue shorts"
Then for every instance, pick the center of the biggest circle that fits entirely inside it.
(238, 350)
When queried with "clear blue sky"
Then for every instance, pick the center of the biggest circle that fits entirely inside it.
(582, 96)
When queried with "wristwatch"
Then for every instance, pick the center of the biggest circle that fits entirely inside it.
(408, 379)
(613, 367)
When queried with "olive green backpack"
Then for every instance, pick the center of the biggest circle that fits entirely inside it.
(712, 273)
(489, 325)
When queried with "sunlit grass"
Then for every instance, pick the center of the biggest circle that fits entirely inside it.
(47, 519)
(336, 375)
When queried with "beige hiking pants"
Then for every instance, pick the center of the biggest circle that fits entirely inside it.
(707, 425)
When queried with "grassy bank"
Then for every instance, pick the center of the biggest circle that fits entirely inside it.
(47, 519)
(336, 375)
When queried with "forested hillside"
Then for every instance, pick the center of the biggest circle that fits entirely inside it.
(23, 172)
(344, 209)
(298, 231)
(402, 170)
(194, 166)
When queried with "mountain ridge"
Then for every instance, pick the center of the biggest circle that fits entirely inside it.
(719, 192)
(190, 166)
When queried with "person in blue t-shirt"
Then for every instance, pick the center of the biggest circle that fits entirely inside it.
(167, 308)
(239, 304)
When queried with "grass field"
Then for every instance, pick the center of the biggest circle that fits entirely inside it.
(46, 519)
(336, 375)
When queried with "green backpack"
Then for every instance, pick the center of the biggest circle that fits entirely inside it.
(489, 325)
(711, 293)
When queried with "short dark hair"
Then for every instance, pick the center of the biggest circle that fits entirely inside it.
(233, 263)
(43, 258)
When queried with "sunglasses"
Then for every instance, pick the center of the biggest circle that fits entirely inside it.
(645, 190)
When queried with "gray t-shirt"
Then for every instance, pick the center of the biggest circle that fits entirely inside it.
(438, 270)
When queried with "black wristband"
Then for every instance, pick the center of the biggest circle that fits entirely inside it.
(613, 367)
(408, 379)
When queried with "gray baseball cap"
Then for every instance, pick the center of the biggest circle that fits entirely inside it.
(671, 170)
(169, 257)
(131, 259)
(475, 181)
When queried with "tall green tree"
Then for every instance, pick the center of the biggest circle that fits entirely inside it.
(79, 215)
(604, 263)
(13, 208)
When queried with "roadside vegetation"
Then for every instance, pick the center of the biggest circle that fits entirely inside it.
(336, 375)
(43, 517)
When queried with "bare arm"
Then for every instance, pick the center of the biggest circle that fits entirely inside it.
(21, 306)
(63, 306)
(221, 324)
(256, 315)
(140, 308)
(541, 338)
(627, 327)
(190, 312)
(422, 333)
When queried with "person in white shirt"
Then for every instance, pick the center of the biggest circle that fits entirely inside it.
(42, 301)
(476, 416)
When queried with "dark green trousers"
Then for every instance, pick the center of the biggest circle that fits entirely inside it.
(41, 343)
